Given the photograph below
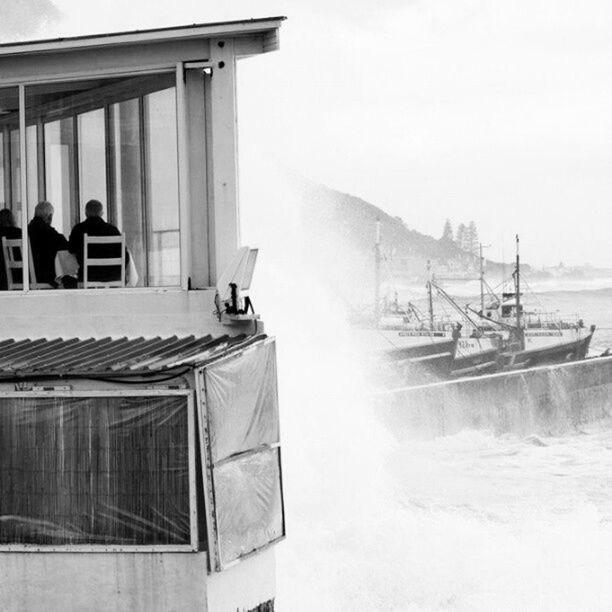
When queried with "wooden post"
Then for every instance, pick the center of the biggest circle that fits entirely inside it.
(224, 232)
(23, 166)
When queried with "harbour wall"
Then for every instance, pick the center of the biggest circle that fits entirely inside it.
(544, 400)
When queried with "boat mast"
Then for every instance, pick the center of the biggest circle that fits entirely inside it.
(517, 285)
(377, 259)
(430, 295)
(481, 280)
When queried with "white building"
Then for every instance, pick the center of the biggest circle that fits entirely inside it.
(139, 449)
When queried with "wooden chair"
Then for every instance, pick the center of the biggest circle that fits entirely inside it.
(10, 248)
(92, 262)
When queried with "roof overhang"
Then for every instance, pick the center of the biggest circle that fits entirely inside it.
(263, 26)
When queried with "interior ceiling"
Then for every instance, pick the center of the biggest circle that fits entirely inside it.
(39, 94)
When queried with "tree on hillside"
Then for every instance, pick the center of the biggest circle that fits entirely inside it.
(471, 238)
(460, 237)
(447, 232)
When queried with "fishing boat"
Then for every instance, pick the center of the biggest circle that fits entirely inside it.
(530, 338)
(446, 348)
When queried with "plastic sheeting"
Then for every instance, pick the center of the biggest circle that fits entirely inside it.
(242, 402)
(248, 503)
(103, 470)
(243, 433)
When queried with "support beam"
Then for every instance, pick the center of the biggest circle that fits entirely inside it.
(199, 266)
(222, 160)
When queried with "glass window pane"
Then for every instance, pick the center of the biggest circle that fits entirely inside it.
(15, 164)
(59, 172)
(10, 190)
(2, 190)
(32, 167)
(112, 140)
(162, 188)
(92, 159)
(126, 172)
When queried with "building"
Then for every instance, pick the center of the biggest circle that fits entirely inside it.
(140, 454)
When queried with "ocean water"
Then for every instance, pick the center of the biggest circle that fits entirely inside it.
(380, 518)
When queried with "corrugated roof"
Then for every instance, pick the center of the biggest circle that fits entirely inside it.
(109, 357)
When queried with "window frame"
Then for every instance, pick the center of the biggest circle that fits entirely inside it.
(178, 69)
(215, 561)
(194, 545)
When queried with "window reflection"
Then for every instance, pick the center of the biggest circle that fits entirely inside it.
(32, 167)
(10, 191)
(92, 159)
(111, 140)
(2, 189)
(162, 187)
(15, 171)
(59, 172)
(128, 212)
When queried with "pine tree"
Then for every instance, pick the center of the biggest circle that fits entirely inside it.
(471, 238)
(460, 236)
(447, 232)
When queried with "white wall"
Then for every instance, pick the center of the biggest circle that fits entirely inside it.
(117, 312)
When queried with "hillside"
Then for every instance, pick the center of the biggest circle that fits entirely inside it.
(345, 225)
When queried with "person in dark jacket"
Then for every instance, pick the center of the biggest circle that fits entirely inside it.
(9, 230)
(45, 241)
(94, 225)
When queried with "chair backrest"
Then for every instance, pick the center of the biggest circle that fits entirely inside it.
(10, 248)
(93, 262)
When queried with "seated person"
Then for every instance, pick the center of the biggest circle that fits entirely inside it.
(45, 241)
(9, 230)
(94, 225)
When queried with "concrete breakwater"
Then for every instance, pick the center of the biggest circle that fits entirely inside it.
(544, 400)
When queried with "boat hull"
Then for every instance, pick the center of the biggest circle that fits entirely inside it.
(421, 361)
(570, 347)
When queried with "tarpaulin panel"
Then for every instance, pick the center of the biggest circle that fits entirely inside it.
(242, 401)
(248, 503)
(101, 470)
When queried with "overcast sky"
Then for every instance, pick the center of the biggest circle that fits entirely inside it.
(500, 112)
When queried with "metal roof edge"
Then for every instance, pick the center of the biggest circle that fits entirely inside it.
(184, 32)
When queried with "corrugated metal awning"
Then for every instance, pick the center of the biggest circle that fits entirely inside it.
(109, 357)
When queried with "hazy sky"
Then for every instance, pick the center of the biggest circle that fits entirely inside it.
(500, 112)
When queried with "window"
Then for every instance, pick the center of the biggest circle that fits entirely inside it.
(242, 454)
(162, 188)
(15, 171)
(60, 173)
(126, 181)
(92, 158)
(111, 471)
(2, 188)
(112, 140)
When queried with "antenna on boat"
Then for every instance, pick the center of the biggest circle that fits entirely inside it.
(517, 285)
(482, 275)
(481, 279)
(377, 259)
(430, 294)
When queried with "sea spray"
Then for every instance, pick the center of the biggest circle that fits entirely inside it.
(474, 516)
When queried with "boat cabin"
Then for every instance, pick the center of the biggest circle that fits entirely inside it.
(140, 450)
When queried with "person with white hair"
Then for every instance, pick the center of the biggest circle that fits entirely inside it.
(45, 241)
